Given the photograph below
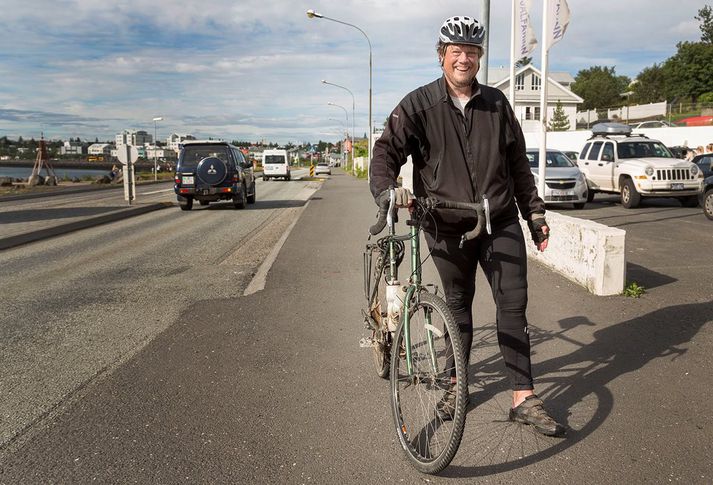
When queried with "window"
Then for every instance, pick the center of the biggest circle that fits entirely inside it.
(519, 82)
(536, 82)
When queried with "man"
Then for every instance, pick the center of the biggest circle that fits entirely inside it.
(466, 145)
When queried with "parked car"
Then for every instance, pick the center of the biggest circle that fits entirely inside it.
(705, 163)
(322, 168)
(696, 121)
(652, 124)
(635, 166)
(564, 182)
(707, 197)
(208, 171)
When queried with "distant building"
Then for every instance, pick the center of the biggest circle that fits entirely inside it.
(528, 83)
(133, 137)
(176, 139)
(72, 148)
(99, 149)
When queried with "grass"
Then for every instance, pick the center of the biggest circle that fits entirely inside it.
(633, 290)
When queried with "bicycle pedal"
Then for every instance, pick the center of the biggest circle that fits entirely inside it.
(366, 342)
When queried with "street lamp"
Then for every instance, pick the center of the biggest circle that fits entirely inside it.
(312, 14)
(347, 89)
(155, 146)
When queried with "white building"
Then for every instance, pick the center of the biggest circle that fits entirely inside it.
(99, 149)
(528, 82)
(133, 137)
(176, 139)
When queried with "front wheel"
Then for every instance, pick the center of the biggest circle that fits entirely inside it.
(630, 197)
(429, 439)
(708, 204)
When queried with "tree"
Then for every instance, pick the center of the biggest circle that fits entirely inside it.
(688, 71)
(650, 85)
(705, 16)
(600, 87)
(559, 121)
(524, 61)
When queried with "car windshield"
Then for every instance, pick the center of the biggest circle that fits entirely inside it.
(554, 159)
(191, 155)
(275, 159)
(642, 149)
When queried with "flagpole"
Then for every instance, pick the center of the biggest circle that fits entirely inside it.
(513, 27)
(543, 99)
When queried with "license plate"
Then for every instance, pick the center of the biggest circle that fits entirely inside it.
(676, 186)
(188, 180)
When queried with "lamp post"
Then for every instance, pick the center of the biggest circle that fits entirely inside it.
(312, 14)
(347, 89)
(155, 146)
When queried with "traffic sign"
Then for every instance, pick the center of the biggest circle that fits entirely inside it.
(127, 152)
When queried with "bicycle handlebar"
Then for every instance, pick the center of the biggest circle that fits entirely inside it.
(387, 206)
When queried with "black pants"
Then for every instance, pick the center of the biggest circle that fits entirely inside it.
(503, 258)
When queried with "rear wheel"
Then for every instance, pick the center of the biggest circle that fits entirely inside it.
(239, 200)
(429, 440)
(186, 203)
(630, 197)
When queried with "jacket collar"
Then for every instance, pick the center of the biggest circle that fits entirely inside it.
(446, 97)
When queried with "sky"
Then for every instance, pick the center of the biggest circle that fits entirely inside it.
(251, 70)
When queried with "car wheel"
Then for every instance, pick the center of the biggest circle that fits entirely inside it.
(691, 201)
(239, 200)
(579, 205)
(186, 204)
(708, 204)
(203, 202)
(630, 198)
(251, 197)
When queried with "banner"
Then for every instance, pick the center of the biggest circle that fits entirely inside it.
(526, 40)
(557, 20)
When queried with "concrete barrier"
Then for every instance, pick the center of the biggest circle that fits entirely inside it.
(586, 252)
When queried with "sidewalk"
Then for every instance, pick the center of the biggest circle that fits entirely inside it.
(32, 217)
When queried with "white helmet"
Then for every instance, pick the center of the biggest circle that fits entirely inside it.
(462, 30)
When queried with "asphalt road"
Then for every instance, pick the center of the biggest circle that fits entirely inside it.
(133, 357)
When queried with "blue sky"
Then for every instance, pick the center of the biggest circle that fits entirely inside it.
(251, 70)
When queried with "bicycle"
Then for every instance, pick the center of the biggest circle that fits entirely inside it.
(415, 340)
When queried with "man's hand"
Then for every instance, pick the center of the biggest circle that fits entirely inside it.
(403, 197)
(539, 230)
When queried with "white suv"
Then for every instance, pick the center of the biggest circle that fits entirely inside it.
(634, 166)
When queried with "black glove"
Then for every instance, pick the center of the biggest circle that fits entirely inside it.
(536, 223)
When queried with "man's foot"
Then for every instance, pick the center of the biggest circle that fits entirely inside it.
(532, 411)
(446, 407)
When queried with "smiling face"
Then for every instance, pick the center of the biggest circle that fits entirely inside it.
(460, 65)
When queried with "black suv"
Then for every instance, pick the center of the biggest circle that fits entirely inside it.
(208, 171)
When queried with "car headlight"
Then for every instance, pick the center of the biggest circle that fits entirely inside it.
(649, 171)
(694, 170)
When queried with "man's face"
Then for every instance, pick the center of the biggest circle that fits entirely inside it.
(461, 64)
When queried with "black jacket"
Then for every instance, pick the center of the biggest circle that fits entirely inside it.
(458, 158)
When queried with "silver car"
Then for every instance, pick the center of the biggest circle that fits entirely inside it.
(564, 182)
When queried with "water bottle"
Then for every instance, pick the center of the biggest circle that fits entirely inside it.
(394, 301)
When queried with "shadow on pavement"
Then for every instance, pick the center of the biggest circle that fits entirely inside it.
(574, 386)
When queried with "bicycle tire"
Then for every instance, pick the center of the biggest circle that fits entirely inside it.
(429, 441)
(381, 337)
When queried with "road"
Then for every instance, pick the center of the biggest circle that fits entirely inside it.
(133, 356)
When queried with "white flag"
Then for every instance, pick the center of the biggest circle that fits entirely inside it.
(558, 20)
(526, 40)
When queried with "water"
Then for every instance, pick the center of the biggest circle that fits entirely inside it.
(25, 172)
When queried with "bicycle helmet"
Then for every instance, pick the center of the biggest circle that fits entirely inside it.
(462, 30)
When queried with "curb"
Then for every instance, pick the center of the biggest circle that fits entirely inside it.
(34, 236)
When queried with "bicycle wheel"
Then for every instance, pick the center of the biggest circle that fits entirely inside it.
(430, 442)
(380, 337)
